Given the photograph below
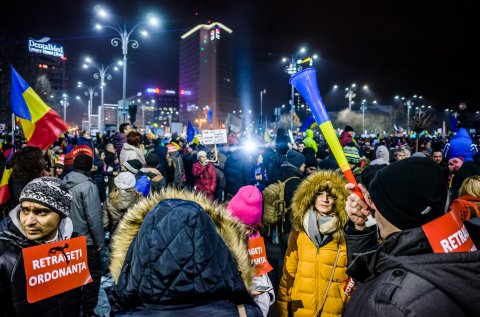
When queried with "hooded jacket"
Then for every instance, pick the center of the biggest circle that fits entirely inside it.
(307, 268)
(120, 139)
(13, 294)
(130, 152)
(403, 277)
(461, 146)
(178, 254)
(382, 156)
(86, 212)
(113, 210)
(309, 141)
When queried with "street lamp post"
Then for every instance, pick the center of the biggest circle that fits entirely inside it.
(90, 93)
(262, 92)
(350, 95)
(125, 41)
(408, 102)
(101, 75)
(294, 66)
(64, 102)
(363, 108)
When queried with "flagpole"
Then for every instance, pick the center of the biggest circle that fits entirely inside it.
(13, 128)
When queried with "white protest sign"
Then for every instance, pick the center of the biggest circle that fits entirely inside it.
(214, 136)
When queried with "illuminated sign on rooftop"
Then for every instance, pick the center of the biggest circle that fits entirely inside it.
(158, 91)
(45, 47)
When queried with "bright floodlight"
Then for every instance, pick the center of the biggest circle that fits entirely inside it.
(153, 21)
(115, 68)
(144, 33)
(77, 97)
(284, 59)
(365, 87)
(98, 26)
(315, 56)
(335, 86)
(88, 60)
(85, 66)
(303, 50)
(103, 13)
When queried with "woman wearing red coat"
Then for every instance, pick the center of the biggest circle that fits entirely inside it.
(204, 175)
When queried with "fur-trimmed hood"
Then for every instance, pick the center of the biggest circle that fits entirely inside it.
(305, 195)
(229, 229)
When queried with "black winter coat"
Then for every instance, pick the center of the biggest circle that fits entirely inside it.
(178, 265)
(403, 277)
(237, 172)
(13, 294)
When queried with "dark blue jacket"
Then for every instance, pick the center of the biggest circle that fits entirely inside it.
(178, 265)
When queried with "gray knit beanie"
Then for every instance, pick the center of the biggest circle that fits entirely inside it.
(50, 192)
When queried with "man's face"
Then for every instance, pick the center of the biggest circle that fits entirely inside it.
(202, 159)
(437, 157)
(301, 147)
(127, 129)
(39, 222)
(399, 156)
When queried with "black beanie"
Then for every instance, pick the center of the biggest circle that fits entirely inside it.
(410, 193)
(295, 158)
(348, 129)
(83, 162)
(152, 160)
(311, 161)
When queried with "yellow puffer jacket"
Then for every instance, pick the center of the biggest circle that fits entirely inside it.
(307, 269)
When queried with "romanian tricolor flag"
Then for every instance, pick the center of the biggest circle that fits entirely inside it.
(4, 191)
(41, 124)
(296, 119)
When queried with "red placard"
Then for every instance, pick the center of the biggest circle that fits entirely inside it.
(258, 255)
(55, 268)
(448, 234)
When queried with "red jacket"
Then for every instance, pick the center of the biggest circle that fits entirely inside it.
(205, 178)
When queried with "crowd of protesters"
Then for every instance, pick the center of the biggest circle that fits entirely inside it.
(178, 220)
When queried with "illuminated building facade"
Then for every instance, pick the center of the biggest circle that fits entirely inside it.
(155, 105)
(206, 78)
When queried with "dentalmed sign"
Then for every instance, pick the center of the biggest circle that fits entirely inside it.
(55, 268)
(45, 47)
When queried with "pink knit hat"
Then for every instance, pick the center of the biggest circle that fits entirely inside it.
(246, 205)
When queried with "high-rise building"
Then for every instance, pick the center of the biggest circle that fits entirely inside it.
(206, 74)
(43, 66)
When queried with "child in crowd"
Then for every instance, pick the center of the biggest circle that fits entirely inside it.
(122, 197)
(246, 205)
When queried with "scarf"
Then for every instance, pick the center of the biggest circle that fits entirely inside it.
(319, 229)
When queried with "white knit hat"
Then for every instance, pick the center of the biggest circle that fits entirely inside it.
(125, 180)
(201, 153)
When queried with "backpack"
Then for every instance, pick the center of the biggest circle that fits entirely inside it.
(142, 185)
(274, 206)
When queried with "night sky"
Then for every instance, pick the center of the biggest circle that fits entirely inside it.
(396, 47)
